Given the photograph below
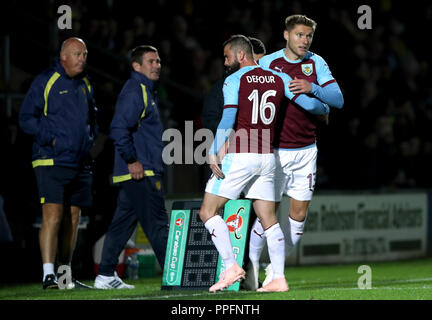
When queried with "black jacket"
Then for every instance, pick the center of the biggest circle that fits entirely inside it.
(213, 106)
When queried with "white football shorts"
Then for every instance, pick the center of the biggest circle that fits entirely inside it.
(296, 173)
(252, 173)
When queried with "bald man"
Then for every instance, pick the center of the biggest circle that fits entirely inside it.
(60, 113)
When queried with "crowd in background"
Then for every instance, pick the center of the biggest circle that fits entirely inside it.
(380, 140)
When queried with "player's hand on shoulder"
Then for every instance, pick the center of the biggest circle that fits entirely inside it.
(298, 86)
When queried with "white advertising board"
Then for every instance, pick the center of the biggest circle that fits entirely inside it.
(350, 228)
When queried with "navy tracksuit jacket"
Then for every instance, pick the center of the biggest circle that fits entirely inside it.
(61, 108)
(137, 133)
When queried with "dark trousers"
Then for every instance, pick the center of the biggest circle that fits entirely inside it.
(141, 201)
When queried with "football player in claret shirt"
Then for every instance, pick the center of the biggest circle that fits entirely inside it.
(252, 96)
(295, 137)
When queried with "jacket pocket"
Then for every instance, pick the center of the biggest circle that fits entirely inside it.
(45, 136)
(63, 142)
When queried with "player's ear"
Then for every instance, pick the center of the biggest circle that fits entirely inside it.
(136, 66)
(241, 55)
(62, 55)
(286, 35)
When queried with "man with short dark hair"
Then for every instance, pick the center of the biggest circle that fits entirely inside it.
(258, 47)
(136, 129)
(59, 112)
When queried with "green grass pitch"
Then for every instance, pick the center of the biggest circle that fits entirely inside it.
(401, 280)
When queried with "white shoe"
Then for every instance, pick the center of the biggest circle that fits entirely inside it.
(268, 274)
(103, 282)
(251, 280)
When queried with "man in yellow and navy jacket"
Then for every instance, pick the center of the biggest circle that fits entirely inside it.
(136, 129)
(60, 113)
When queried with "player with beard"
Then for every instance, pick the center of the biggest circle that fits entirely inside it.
(252, 96)
(213, 101)
(295, 137)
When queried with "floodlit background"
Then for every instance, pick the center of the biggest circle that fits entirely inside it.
(379, 143)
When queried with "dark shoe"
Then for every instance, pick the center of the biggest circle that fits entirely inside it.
(50, 282)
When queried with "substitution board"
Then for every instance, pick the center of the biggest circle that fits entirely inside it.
(192, 261)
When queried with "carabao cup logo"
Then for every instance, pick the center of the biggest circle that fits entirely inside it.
(179, 222)
(235, 222)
